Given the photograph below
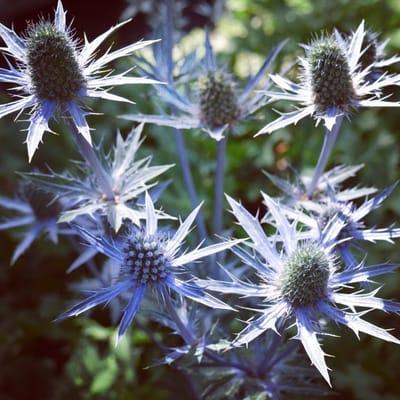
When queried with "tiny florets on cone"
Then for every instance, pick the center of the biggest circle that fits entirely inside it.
(144, 258)
(305, 276)
(330, 76)
(217, 99)
(52, 63)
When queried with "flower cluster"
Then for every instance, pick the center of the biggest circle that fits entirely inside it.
(303, 264)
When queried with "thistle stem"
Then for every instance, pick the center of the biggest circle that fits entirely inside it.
(179, 140)
(168, 39)
(329, 141)
(188, 180)
(219, 186)
(90, 156)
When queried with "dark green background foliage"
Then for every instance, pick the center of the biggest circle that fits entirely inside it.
(40, 359)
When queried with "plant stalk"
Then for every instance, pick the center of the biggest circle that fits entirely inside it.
(219, 186)
(329, 141)
(90, 156)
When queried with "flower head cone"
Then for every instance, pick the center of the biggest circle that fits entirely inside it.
(301, 281)
(333, 82)
(37, 212)
(211, 101)
(150, 259)
(128, 176)
(53, 74)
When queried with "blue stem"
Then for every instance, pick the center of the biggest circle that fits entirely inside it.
(329, 141)
(90, 156)
(179, 140)
(168, 39)
(219, 186)
(188, 180)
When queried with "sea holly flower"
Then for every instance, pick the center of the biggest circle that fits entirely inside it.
(53, 73)
(128, 177)
(214, 102)
(150, 259)
(301, 281)
(329, 185)
(332, 83)
(36, 212)
(354, 229)
(270, 369)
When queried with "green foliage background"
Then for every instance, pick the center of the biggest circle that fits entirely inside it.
(40, 359)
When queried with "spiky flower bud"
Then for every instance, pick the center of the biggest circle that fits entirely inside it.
(217, 99)
(330, 76)
(144, 258)
(52, 63)
(43, 204)
(305, 276)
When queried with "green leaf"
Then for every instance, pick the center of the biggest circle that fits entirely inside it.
(98, 332)
(105, 378)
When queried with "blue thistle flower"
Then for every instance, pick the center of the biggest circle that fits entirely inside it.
(149, 258)
(329, 185)
(301, 282)
(332, 83)
(354, 229)
(37, 213)
(270, 369)
(215, 103)
(127, 176)
(53, 74)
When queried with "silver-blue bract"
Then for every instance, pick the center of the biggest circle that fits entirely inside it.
(53, 74)
(271, 369)
(332, 83)
(373, 55)
(354, 230)
(330, 184)
(127, 176)
(301, 281)
(215, 103)
(150, 259)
